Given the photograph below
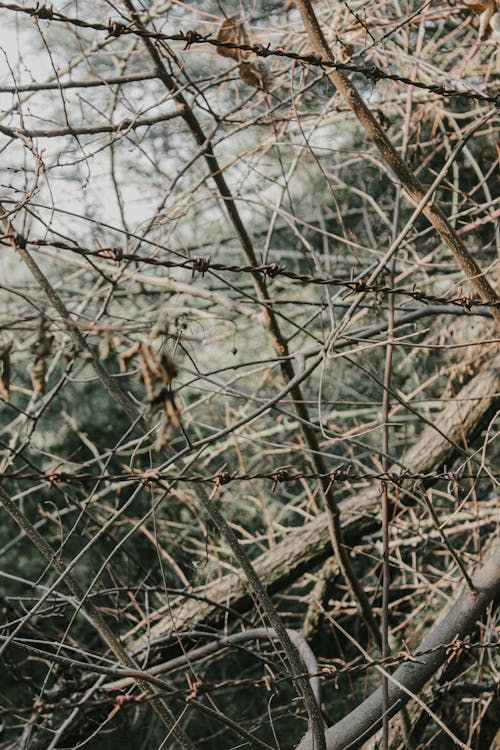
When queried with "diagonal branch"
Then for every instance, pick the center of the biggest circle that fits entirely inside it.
(303, 549)
(409, 182)
(102, 627)
(271, 322)
(460, 619)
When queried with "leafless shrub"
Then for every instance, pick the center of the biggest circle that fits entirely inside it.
(249, 375)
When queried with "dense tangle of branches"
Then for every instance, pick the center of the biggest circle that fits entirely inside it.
(249, 374)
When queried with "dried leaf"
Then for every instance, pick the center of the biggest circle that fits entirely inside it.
(172, 410)
(495, 25)
(166, 369)
(148, 371)
(170, 421)
(255, 74)
(156, 402)
(485, 9)
(164, 435)
(129, 354)
(157, 370)
(42, 348)
(43, 345)
(38, 372)
(484, 23)
(104, 348)
(5, 348)
(233, 30)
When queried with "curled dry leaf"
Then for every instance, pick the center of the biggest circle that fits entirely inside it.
(5, 349)
(42, 348)
(161, 369)
(170, 420)
(157, 373)
(234, 31)
(495, 23)
(43, 345)
(485, 9)
(484, 22)
(104, 348)
(107, 344)
(166, 369)
(128, 355)
(255, 74)
(38, 372)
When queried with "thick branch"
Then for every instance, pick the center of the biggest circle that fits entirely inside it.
(226, 641)
(460, 420)
(358, 726)
(399, 167)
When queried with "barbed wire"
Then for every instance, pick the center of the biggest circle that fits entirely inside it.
(327, 672)
(81, 471)
(203, 264)
(278, 475)
(373, 73)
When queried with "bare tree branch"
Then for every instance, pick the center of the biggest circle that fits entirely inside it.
(408, 679)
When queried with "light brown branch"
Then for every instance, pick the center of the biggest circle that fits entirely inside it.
(409, 182)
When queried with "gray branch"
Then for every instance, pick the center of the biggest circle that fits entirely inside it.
(460, 619)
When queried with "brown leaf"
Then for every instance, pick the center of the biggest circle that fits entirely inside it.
(233, 30)
(495, 23)
(255, 74)
(484, 22)
(166, 369)
(125, 358)
(170, 421)
(478, 7)
(38, 372)
(104, 348)
(5, 369)
(485, 9)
